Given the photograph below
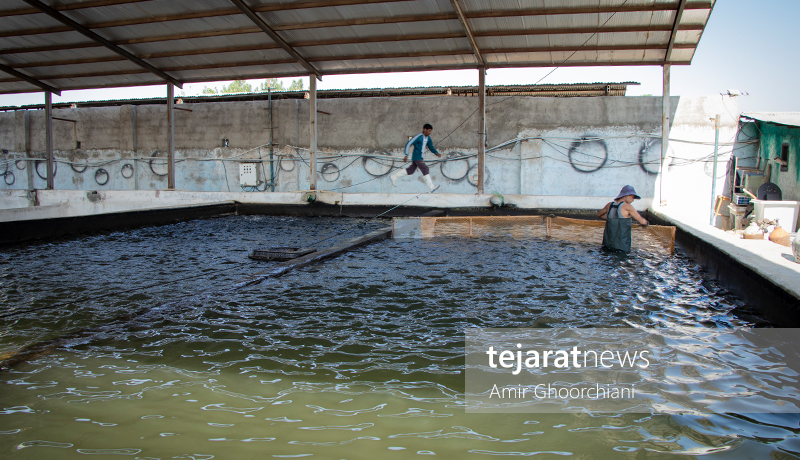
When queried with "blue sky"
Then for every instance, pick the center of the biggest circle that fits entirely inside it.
(747, 46)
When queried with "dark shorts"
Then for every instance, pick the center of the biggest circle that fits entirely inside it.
(418, 164)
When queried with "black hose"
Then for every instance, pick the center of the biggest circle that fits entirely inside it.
(125, 167)
(36, 167)
(99, 173)
(155, 155)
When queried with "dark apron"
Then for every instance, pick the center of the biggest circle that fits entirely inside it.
(617, 234)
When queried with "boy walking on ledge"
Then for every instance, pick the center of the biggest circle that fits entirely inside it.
(419, 143)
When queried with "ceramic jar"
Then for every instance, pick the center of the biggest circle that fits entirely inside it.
(780, 236)
(753, 232)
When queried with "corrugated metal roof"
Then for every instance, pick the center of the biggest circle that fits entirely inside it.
(781, 118)
(206, 40)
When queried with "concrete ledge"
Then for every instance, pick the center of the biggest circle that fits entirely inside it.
(52, 213)
(68, 203)
(761, 272)
(456, 200)
(326, 210)
(72, 203)
(32, 229)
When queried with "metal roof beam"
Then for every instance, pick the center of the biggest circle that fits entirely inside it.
(350, 41)
(45, 87)
(225, 12)
(232, 49)
(365, 21)
(487, 14)
(357, 57)
(294, 74)
(88, 33)
(70, 6)
(675, 26)
(468, 31)
(585, 10)
(275, 37)
(100, 3)
(319, 4)
(586, 30)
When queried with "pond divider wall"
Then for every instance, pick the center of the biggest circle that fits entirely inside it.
(19, 231)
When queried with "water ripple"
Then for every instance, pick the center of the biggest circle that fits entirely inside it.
(373, 338)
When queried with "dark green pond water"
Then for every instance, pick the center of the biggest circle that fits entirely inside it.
(358, 357)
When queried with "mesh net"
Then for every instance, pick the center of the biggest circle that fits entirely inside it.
(653, 237)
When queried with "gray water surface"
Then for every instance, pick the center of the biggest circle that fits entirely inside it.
(358, 357)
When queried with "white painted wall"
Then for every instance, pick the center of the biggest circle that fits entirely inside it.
(549, 160)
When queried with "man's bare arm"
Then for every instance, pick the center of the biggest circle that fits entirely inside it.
(636, 216)
(603, 213)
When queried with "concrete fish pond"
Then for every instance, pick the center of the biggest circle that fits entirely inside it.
(360, 356)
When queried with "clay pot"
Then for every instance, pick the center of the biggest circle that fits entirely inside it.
(780, 236)
(753, 232)
(796, 249)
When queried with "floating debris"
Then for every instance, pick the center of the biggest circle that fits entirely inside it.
(280, 253)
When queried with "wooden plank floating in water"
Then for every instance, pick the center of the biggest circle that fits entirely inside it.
(280, 253)
(314, 257)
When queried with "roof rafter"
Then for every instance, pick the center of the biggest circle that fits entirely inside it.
(275, 37)
(260, 9)
(29, 79)
(678, 16)
(69, 6)
(468, 31)
(356, 57)
(347, 71)
(585, 10)
(351, 41)
(88, 33)
(583, 30)
(232, 49)
(364, 21)
(319, 4)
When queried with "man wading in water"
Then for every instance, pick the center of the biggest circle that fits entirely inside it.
(618, 215)
(419, 142)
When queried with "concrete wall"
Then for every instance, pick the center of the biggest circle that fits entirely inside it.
(583, 147)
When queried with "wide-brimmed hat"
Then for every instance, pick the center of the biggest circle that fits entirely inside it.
(628, 190)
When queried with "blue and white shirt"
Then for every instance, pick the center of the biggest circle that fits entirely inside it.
(419, 142)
